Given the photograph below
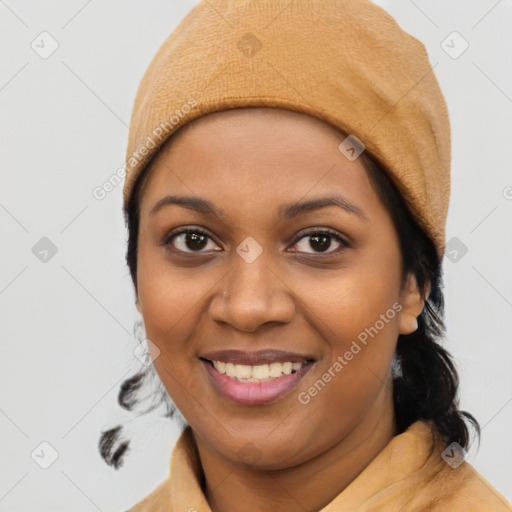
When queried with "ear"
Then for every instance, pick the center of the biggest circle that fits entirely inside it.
(412, 305)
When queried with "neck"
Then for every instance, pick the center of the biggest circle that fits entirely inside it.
(308, 486)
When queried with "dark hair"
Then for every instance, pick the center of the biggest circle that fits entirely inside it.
(425, 383)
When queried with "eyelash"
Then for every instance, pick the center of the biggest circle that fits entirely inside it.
(313, 231)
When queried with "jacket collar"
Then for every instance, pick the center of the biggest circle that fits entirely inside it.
(408, 474)
(404, 455)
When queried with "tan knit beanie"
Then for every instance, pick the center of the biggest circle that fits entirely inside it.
(346, 62)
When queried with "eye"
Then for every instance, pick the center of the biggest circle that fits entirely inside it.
(321, 240)
(189, 240)
(195, 240)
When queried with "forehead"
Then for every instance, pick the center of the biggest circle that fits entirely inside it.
(256, 156)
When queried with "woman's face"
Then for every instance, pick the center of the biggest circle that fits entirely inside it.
(268, 276)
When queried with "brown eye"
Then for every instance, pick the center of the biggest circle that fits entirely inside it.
(321, 242)
(188, 240)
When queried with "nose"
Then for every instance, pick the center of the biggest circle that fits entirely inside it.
(252, 295)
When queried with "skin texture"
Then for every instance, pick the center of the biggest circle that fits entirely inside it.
(295, 296)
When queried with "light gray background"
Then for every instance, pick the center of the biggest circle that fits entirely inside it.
(67, 324)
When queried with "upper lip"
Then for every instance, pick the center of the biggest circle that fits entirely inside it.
(265, 356)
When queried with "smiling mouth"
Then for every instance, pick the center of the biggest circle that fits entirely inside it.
(258, 373)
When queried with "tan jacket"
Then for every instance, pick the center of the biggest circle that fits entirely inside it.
(408, 475)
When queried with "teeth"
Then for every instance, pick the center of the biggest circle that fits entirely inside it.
(243, 371)
(230, 369)
(258, 373)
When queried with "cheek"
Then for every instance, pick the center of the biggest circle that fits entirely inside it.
(358, 302)
(356, 371)
(357, 314)
(166, 295)
(170, 304)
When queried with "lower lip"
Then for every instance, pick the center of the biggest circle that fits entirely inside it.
(255, 393)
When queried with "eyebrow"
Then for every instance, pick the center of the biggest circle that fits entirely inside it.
(287, 211)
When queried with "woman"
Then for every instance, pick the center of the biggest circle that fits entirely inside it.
(286, 198)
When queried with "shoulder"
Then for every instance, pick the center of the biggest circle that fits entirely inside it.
(182, 485)
(471, 492)
(156, 501)
(423, 480)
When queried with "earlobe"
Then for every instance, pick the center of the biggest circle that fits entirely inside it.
(413, 305)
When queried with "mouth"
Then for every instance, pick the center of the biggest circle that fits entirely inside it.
(267, 372)
(256, 384)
